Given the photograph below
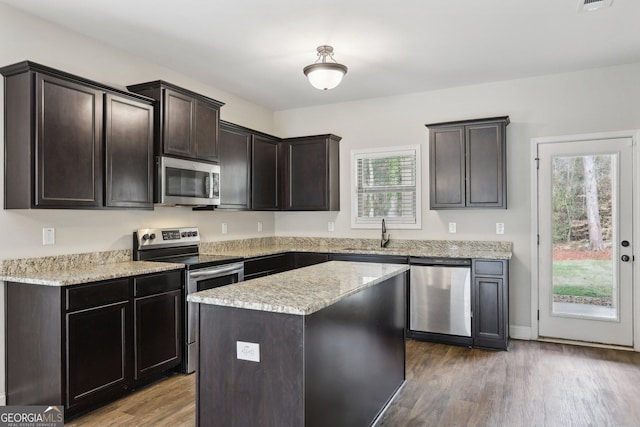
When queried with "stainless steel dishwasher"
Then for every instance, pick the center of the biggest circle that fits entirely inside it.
(440, 300)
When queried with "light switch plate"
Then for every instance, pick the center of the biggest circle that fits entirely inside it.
(331, 226)
(499, 227)
(48, 236)
(248, 351)
(224, 228)
(452, 227)
(259, 226)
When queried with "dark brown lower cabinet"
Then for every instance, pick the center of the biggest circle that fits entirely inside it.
(158, 333)
(491, 304)
(97, 353)
(265, 265)
(304, 259)
(83, 345)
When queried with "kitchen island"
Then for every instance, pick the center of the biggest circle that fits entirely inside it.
(317, 346)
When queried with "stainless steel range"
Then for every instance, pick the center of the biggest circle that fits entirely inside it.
(202, 272)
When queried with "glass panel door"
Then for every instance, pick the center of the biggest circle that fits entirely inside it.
(585, 200)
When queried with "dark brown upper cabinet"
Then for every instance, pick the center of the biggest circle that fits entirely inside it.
(265, 173)
(74, 143)
(235, 167)
(128, 152)
(261, 172)
(186, 123)
(467, 164)
(249, 169)
(312, 173)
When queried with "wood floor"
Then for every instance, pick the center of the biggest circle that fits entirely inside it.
(533, 384)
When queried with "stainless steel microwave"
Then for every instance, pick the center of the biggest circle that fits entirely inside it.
(186, 182)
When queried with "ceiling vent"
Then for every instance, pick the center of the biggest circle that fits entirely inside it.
(591, 5)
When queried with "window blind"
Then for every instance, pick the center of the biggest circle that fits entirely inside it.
(386, 186)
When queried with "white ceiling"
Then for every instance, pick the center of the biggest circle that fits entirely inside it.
(256, 49)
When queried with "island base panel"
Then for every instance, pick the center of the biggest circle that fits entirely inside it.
(339, 366)
(234, 392)
(355, 356)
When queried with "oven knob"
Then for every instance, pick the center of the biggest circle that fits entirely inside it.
(152, 236)
(195, 233)
(183, 234)
(145, 237)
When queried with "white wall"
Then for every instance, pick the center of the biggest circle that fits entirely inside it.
(584, 102)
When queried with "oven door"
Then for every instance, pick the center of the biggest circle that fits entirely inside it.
(200, 280)
(187, 182)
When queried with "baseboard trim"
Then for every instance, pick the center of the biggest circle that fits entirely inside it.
(520, 332)
(585, 344)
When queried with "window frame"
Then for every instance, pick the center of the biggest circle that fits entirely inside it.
(380, 152)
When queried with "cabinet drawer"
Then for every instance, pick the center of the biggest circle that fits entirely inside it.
(268, 264)
(492, 268)
(97, 294)
(157, 283)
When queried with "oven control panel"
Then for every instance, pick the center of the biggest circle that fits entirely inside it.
(164, 237)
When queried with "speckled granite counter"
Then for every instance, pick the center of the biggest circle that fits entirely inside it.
(302, 291)
(64, 270)
(248, 248)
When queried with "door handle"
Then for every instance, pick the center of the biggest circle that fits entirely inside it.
(625, 258)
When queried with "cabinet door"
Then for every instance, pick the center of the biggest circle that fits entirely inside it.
(97, 355)
(264, 174)
(69, 144)
(206, 142)
(307, 177)
(446, 168)
(490, 312)
(485, 150)
(235, 162)
(179, 130)
(158, 333)
(129, 153)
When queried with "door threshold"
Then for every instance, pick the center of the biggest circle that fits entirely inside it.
(586, 344)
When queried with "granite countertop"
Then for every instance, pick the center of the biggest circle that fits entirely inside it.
(65, 270)
(302, 291)
(418, 248)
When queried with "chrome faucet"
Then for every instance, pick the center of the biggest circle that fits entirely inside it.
(384, 241)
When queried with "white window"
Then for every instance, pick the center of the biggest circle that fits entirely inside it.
(386, 185)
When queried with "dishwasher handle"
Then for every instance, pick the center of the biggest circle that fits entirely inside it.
(445, 262)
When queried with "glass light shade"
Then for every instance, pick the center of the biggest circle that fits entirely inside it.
(325, 75)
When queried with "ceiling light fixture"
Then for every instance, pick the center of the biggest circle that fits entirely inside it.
(325, 75)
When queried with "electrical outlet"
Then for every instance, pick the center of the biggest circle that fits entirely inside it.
(331, 226)
(499, 227)
(224, 228)
(48, 236)
(452, 227)
(248, 351)
(259, 226)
